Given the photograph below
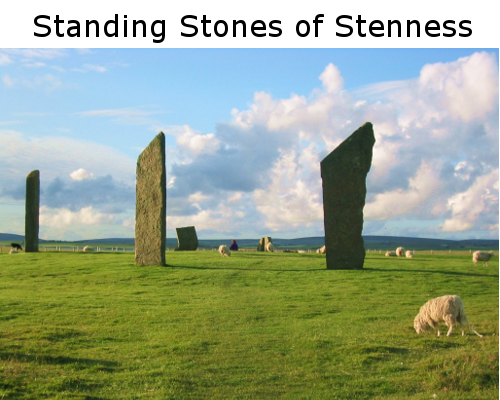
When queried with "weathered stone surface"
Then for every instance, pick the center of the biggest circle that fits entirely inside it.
(151, 204)
(262, 246)
(31, 219)
(344, 173)
(186, 238)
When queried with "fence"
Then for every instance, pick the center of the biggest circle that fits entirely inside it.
(6, 249)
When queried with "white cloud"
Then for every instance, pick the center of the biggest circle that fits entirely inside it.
(289, 200)
(466, 88)
(271, 150)
(58, 156)
(194, 142)
(95, 68)
(127, 116)
(8, 81)
(29, 54)
(395, 203)
(478, 202)
(62, 218)
(81, 174)
(332, 79)
(5, 59)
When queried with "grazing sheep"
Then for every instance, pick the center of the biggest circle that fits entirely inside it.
(270, 247)
(13, 251)
(390, 254)
(224, 251)
(321, 250)
(87, 248)
(409, 254)
(482, 256)
(448, 309)
(16, 246)
(400, 251)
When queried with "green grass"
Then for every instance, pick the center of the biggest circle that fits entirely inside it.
(252, 326)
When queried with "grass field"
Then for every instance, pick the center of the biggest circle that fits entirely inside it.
(252, 326)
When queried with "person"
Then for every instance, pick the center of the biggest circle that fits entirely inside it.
(233, 246)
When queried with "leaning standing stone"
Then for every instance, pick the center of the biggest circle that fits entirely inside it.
(344, 173)
(151, 204)
(31, 219)
(186, 238)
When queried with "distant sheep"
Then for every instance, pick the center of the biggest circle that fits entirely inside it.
(448, 309)
(482, 256)
(301, 251)
(13, 251)
(390, 254)
(321, 250)
(400, 251)
(409, 254)
(87, 248)
(16, 246)
(224, 251)
(270, 247)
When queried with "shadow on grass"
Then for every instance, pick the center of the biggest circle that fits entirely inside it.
(100, 365)
(426, 271)
(246, 269)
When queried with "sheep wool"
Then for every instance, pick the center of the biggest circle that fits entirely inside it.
(481, 256)
(224, 251)
(448, 309)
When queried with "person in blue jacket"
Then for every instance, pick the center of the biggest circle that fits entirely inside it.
(233, 246)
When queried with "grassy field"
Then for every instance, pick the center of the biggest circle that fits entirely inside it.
(252, 326)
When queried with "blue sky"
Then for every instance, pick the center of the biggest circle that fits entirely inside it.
(246, 129)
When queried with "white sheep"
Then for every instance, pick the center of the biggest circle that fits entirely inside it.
(482, 256)
(390, 254)
(400, 251)
(448, 309)
(13, 251)
(321, 250)
(270, 247)
(409, 254)
(224, 251)
(87, 248)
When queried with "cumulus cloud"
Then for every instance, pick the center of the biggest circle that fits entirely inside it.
(194, 142)
(103, 193)
(332, 79)
(64, 217)
(479, 203)
(58, 156)
(435, 158)
(80, 174)
(395, 203)
(433, 141)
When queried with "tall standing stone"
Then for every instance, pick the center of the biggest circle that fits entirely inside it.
(151, 204)
(32, 216)
(186, 238)
(344, 173)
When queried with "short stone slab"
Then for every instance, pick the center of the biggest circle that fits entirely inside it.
(186, 238)
(344, 173)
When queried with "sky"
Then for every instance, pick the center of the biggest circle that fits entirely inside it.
(246, 130)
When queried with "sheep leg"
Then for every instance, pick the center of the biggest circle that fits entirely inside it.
(450, 330)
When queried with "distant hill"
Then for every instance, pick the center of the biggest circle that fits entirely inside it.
(11, 237)
(371, 242)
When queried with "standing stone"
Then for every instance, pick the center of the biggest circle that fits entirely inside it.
(344, 173)
(262, 246)
(151, 204)
(186, 238)
(31, 220)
